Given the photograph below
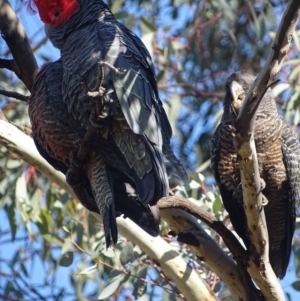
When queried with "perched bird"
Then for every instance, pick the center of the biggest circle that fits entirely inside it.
(55, 136)
(278, 153)
(109, 83)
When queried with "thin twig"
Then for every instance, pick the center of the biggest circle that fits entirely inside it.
(181, 203)
(14, 95)
(124, 271)
(8, 64)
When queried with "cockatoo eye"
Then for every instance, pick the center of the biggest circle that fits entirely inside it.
(56, 14)
(242, 97)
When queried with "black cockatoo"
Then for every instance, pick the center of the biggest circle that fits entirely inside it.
(278, 153)
(109, 83)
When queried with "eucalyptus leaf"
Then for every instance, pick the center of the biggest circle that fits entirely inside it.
(10, 211)
(21, 190)
(67, 259)
(126, 253)
(89, 270)
(147, 26)
(140, 286)
(54, 238)
(116, 6)
(114, 280)
(296, 285)
(217, 205)
(194, 185)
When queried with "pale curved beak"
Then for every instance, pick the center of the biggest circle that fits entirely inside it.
(238, 96)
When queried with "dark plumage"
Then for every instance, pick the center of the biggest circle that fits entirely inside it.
(56, 136)
(278, 154)
(109, 82)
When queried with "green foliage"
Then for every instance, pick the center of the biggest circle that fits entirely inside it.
(115, 278)
(296, 285)
(195, 46)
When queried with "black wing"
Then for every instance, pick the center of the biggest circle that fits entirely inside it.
(226, 172)
(56, 134)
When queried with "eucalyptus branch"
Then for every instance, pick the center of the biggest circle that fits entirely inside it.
(206, 249)
(178, 202)
(17, 142)
(173, 265)
(13, 33)
(258, 264)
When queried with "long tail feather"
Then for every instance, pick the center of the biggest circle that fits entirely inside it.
(102, 190)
